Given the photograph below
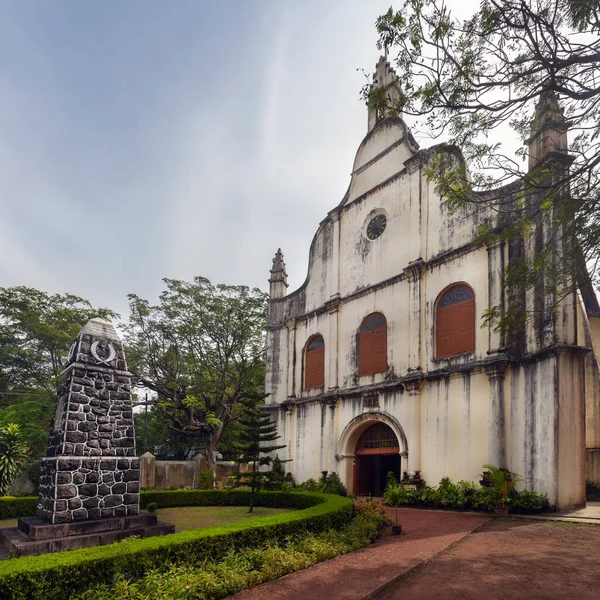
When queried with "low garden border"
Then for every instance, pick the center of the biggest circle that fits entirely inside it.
(59, 575)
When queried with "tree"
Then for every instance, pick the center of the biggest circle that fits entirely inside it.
(36, 331)
(465, 78)
(153, 435)
(201, 349)
(257, 431)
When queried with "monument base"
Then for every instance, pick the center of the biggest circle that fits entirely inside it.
(35, 536)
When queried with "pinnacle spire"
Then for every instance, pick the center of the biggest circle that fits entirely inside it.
(278, 279)
(548, 129)
(384, 77)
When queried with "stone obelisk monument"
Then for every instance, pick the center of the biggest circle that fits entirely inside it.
(90, 477)
(90, 470)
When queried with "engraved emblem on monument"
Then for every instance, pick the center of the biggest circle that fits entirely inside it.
(108, 347)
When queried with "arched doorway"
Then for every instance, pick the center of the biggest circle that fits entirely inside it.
(377, 453)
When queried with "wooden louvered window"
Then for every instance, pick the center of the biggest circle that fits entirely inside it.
(314, 367)
(455, 322)
(377, 439)
(372, 345)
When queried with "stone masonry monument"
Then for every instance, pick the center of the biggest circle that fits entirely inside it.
(90, 477)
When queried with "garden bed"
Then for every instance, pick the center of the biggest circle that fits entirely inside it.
(463, 496)
(63, 574)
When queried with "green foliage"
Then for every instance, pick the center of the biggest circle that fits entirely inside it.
(201, 350)
(205, 480)
(13, 453)
(327, 484)
(310, 485)
(242, 569)
(332, 484)
(36, 331)
(464, 495)
(373, 508)
(463, 79)
(56, 576)
(152, 507)
(390, 479)
(13, 507)
(153, 435)
(501, 482)
(255, 443)
(276, 479)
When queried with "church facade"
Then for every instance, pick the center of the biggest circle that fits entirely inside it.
(379, 361)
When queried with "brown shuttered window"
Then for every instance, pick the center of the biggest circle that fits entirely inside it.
(314, 368)
(455, 322)
(372, 345)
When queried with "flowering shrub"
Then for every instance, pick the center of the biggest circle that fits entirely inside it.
(373, 508)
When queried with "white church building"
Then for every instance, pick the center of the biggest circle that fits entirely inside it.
(378, 362)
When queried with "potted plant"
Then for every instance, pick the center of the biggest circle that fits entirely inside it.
(396, 527)
(500, 481)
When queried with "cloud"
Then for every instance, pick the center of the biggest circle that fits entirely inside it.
(172, 143)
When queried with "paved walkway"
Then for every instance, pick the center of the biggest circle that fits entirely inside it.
(589, 514)
(358, 575)
(510, 560)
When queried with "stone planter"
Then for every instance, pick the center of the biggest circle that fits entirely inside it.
(501, 512)
(396, 529)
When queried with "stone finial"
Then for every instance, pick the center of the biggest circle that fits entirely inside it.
(548, 129)
(278, 280)
(98, 343)
(384, 77)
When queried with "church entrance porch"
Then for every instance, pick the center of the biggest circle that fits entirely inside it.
(377, 453)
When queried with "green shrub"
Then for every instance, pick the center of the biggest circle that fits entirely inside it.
(13, 507)
(62, 574)
(463, 495)
(152, 507)
(527, 502)
(241, 569)
(205, 480)
(374, 509)
(13, 453)
(332, 484)
(327, 484)
(310, 485)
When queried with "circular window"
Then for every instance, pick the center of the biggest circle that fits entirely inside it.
(376, 226)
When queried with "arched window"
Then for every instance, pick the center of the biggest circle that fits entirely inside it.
(372, 345)
(314, 366)
(377, 439)
(455, 322)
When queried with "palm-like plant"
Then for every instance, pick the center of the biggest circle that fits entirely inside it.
(502, 481)
(13, 452)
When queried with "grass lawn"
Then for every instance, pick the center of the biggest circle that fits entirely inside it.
(194, 517)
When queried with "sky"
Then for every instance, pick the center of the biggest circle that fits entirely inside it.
(147, 139)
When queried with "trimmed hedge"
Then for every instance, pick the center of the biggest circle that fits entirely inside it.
(60, 575)
(13, 507)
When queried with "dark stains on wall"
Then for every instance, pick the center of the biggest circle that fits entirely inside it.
(529, 437)
(363, 247)
(273, 357)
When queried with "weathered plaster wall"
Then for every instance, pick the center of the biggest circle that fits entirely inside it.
(517, 403)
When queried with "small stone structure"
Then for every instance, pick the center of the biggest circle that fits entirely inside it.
(90, 477)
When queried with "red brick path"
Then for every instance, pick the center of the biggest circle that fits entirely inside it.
(352, 576)
(505, 560)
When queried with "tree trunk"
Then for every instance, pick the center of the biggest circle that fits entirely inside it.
(211, 459)
(252, 485)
